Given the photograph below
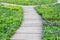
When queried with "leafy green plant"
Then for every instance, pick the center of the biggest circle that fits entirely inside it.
(51, 21)
(10, 20)
(49, 12)
(29, 2)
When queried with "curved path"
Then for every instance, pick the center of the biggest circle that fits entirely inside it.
(31, 28)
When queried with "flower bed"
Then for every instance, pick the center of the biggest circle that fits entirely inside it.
(10, 20)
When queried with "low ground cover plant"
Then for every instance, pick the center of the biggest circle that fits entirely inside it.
(49, 12)
(10, 19)
(29, 2)
(51, 21)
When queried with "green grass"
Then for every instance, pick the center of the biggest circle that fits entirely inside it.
(29, 2)
(10, 20)
(51, 21)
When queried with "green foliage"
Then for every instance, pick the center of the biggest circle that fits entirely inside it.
(49, 12)
(51, 30)
(29, 2)
(10, 19)
(51, 21)
(51, 33)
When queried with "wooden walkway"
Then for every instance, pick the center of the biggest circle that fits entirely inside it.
(31, 28)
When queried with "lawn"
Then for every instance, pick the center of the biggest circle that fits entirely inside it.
(51, 21)
(29, 2)
(10, 20)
